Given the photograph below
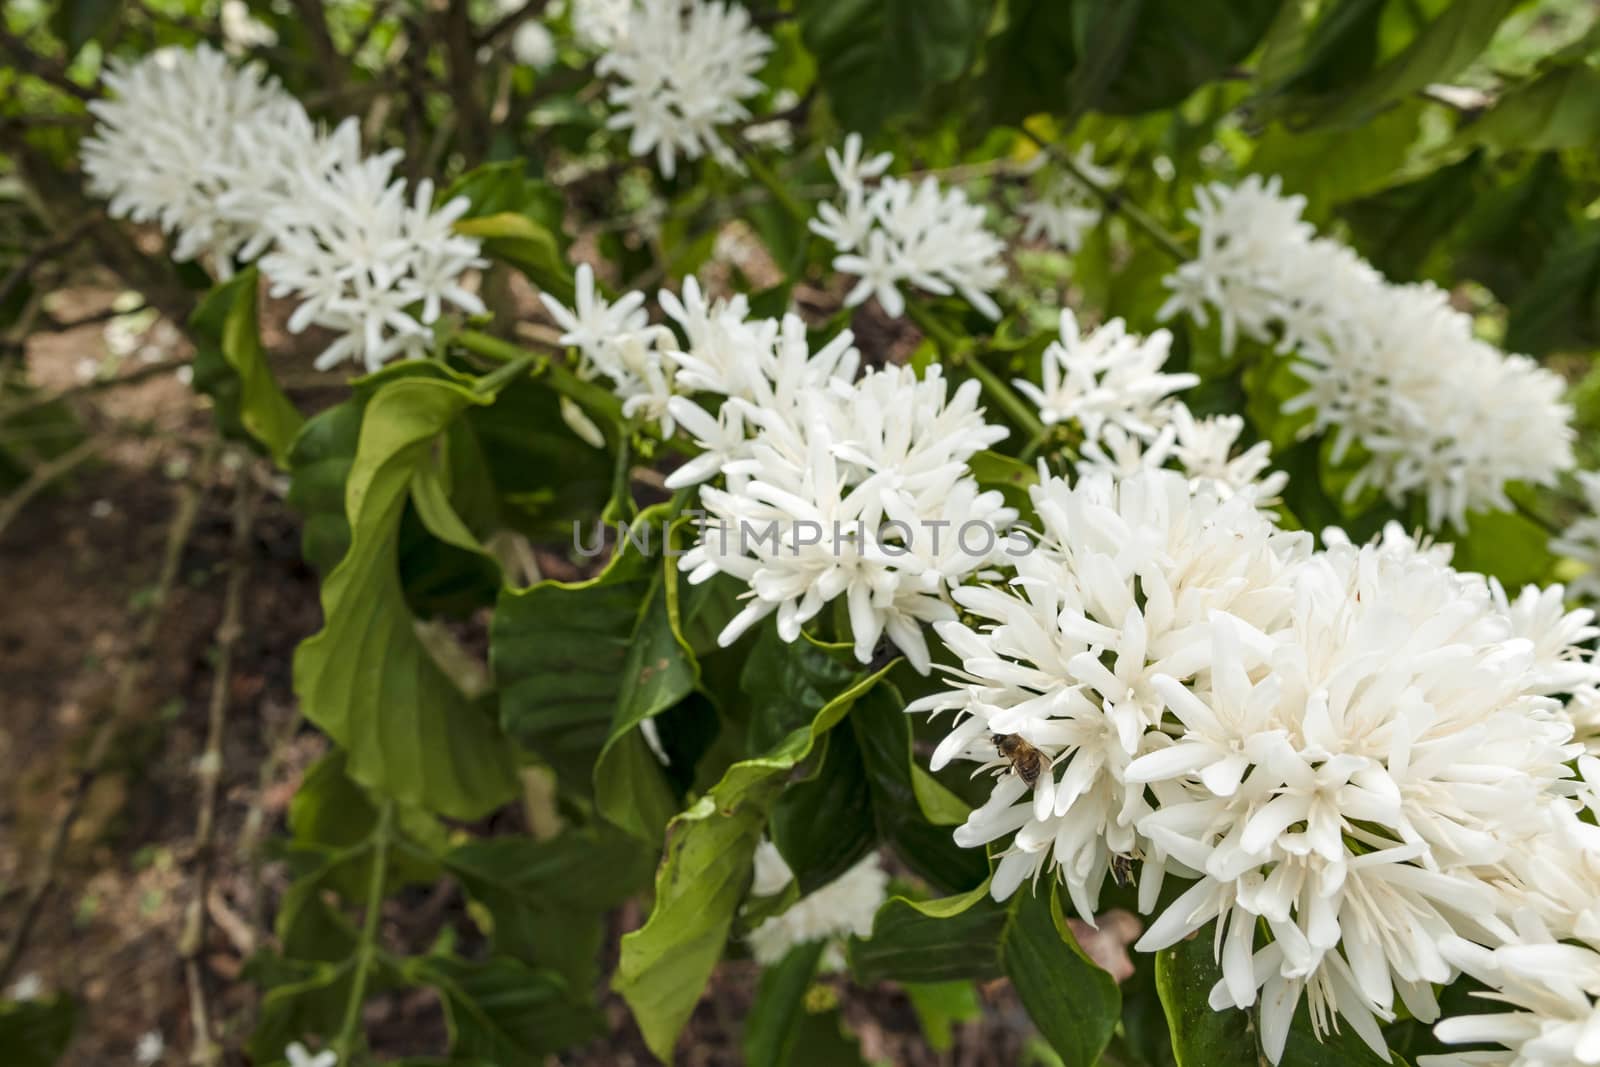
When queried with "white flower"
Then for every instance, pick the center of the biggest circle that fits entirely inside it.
(1350, 779)
(1390, 370)
(298, 1056)
(367, 264)
(242, 31)
(1107, 377)
(28, 987)
(861, 490)
(533, 45)
(1068, 209)
(1551, 991)
(600, 24)
(1120, 591)
(682, 70)
(1204, 448)
(901, 232)
(150, 1047)
(194, 144)
(844, 906)
(1581, 540)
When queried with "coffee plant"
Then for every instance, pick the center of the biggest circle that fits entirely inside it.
(1083, 495)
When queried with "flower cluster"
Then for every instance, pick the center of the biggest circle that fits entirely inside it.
(1393, 370)
(1066, 209)
(899, 232)
(233, 167)
(832, 485)
(1112, 388)
(844, 906)
(682, 71)
(1344, 750)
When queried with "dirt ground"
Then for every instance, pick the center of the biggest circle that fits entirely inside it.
(79, 568)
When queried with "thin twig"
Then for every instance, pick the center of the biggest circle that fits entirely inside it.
(30, 62)
(206, 1052)
(510, 21)
(52, 325)
(128, 683)
(47, 473)
(94, 385)
(1113, 199)
(46, 251)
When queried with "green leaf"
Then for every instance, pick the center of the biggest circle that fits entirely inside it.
(330, 815)
(366, 678)
(582, 664)
(35, 1033)
(77, 22)
(913, 813)
(525, 244)
(775, 1015)
(1400, 228)
(879, 59)
(1331, 166)
(1444, 46)
(1116, 56)
(230, 366)
(1201, 1037)
(1560, 307)
(1074, 1003)
(950, 939)
(1559, 109)
(1338, 1049)
(939, 1006)
(535, 889)
(705, 873)
(823, 825)
(1507, 546)
(505, 1012)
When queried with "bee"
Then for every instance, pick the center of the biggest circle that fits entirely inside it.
(1122, 870)
(1026, 761)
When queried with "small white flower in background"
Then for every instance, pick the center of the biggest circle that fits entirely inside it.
(299, 1056)
(1391, 368)
(900, 232)
(242, 31)
(1581, 540)
(1067, 209)
(843, 907)
(357, 255)
(86, 369)
(533, 45)
(28, 987)
(150, 1048)
(1107, 377)
(682, 70)
(600, 24)
(181, 129)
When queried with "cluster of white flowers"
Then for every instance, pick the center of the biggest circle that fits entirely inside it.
(1066, 209)
(1345, 750)
(1112, 387)
(899, 232)
(844, 906)
(1393, 369)
(832, 485)
(600, 24)
(231, 166)
(682, 70)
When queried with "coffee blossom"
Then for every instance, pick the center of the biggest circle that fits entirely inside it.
(843, 907)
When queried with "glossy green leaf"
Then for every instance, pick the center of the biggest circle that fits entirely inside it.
(1560, 306)
(705, 873)
(231, 367)
(1450, 41)
(877, 59)
(949, 939)
(1201, 1036)
(1559, 109)
(366, 678)
(1074, 1003)
(771, 1028)
(505, 1012)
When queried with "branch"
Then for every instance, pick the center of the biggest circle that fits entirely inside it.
(207, 1052)
(128, 683)
(45, 474)
(96, 385)
(510, 21)
(1113, 199)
